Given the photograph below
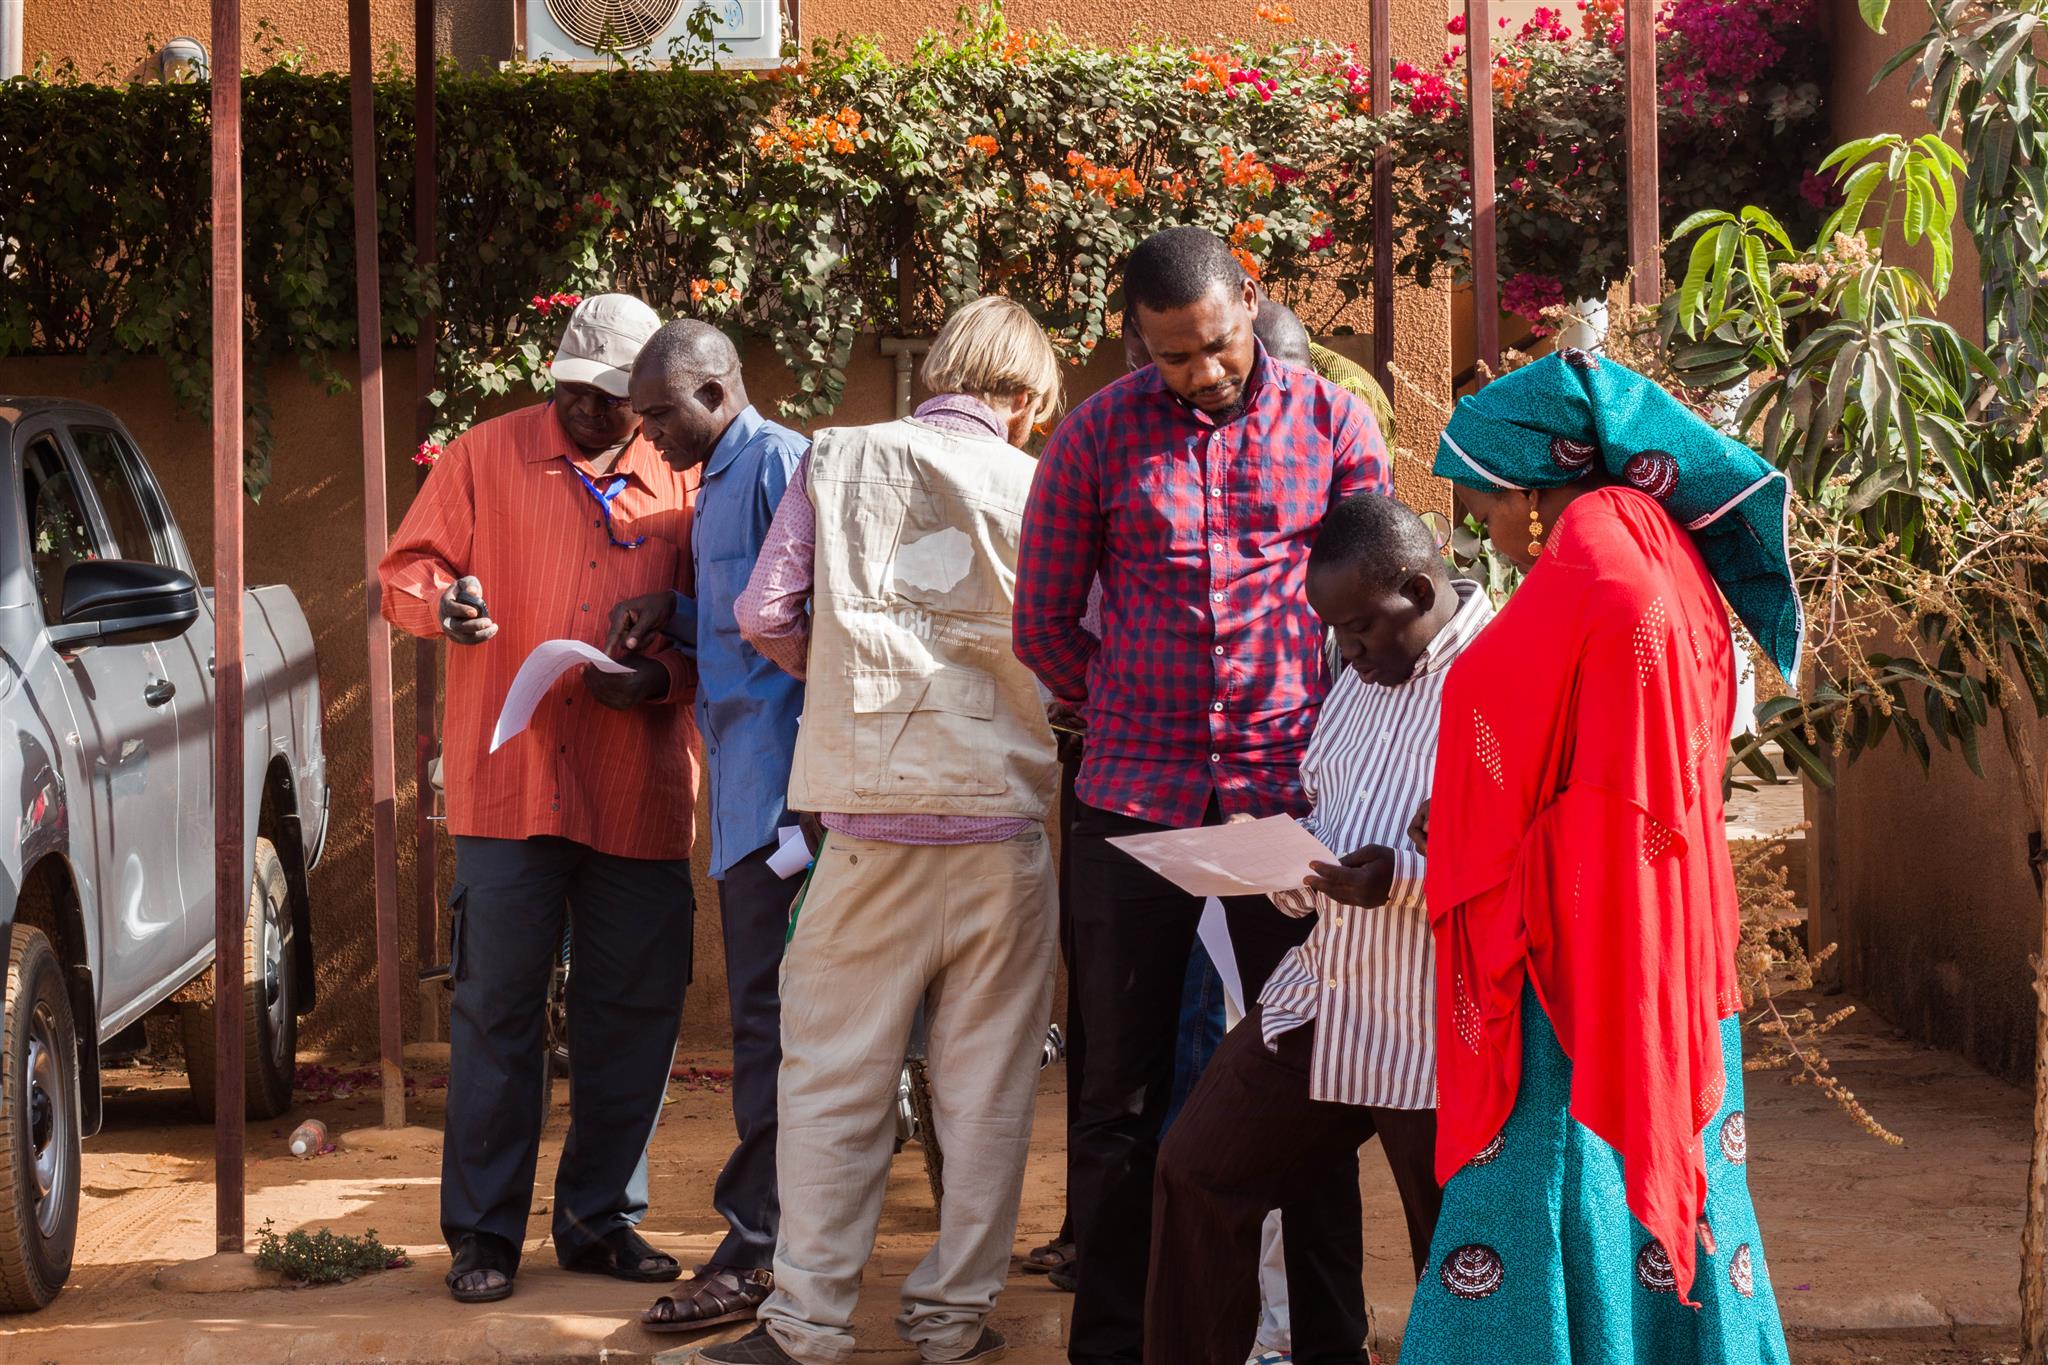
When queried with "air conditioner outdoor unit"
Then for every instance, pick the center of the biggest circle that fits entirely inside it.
(589, 32)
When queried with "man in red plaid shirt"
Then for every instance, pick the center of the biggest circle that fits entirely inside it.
(1193, 488)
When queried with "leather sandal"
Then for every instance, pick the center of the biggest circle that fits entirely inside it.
(620, 1254)
(477, 1253)
(1052, 1256)
(713, 1297)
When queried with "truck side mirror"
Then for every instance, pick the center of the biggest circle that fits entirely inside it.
(124, 602)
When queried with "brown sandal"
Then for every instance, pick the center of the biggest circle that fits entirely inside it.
(713, 1297)
(1053, 1256)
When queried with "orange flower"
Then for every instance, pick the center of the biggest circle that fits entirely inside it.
(1242, 170)
(841, 146)
(1248, 229)
(850, 117)
(1106, 181)
(1018, 47)
(1215, 73)
(983, 143)
(1509, 77)
(1246, 260)
(698, 289)
(1276, 13)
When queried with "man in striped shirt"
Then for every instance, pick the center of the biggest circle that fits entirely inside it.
(1342, 1044)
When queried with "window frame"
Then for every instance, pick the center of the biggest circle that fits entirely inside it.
(167, 546)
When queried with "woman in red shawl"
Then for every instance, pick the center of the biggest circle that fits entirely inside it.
(1590, 1129)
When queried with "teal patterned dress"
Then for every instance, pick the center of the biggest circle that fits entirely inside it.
(1537, 1260)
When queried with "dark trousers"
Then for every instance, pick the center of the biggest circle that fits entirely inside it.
(1133, 931)
(631, 960)
(1251, 1140)
(753, 905)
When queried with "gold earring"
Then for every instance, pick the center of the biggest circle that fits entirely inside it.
(1535, 531)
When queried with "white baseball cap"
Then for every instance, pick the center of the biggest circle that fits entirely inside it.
(603, 338)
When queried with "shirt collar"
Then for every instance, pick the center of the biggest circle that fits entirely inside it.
(963, 413)
(1264, 372)
(554, 444)
(738, 435)
(1475, 609)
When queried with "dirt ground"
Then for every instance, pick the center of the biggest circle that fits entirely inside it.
(1882, 1256)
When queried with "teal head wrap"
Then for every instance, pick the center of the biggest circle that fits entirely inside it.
(1549, 423)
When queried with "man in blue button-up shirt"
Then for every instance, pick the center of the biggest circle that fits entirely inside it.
(693, 405)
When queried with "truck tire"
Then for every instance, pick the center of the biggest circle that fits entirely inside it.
(39, 1125)
(268, 1001)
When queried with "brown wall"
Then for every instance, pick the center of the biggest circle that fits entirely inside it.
(1860, 111)
(1922, 876)
(307, 534)
(108, 38)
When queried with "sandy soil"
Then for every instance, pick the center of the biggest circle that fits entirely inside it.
(1881, 1255)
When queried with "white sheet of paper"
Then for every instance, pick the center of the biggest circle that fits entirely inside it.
(793, 856)
(1214, 931)
(1249, 858)
(550, 660)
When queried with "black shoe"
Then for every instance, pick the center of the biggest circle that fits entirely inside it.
(988, 1346)
(755, 1348)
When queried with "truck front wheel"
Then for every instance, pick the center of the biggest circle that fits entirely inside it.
(268, 1001)
(39, 1125)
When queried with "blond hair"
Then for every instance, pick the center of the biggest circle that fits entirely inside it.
(994, 348)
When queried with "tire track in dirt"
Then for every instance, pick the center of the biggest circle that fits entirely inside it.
(129, 1222)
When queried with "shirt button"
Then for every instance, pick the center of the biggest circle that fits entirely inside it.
(593, 563)
(1215, 492)
(586, 606)
(563, 749)
(1215, 597)
(1215, 758)
(1219, 649)
(598, 521)
(1217, 547)
(1217, 707)
(1340, 921)
(1331, 983)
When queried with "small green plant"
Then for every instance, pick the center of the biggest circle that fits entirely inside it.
(325, 1256)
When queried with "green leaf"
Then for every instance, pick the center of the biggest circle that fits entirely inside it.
(1803, 759)
(1693, 288)
(1873, 12)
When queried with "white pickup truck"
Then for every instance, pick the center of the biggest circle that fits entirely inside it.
(106, 739)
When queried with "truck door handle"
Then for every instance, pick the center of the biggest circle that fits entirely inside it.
(159, 692)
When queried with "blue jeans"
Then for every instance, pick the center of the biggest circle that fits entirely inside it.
(1201, 1029)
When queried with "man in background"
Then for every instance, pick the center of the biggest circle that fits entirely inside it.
(1198, 700)
(692, 401)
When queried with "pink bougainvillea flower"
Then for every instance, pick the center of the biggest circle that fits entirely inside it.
(1527, 295)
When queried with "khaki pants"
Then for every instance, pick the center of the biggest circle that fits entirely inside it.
(970, 930)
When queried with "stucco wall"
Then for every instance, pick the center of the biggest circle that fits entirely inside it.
(109, 39)
(307, 533)
(1922, 876)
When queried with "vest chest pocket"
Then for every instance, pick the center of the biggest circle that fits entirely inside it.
(925, 735)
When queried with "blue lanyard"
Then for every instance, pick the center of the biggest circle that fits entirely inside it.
(605, 498)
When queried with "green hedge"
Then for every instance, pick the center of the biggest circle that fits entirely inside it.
(844, 194)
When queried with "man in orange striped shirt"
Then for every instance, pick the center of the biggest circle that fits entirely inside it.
(530, 527)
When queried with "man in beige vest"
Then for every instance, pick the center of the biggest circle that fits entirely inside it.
(925, 753)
